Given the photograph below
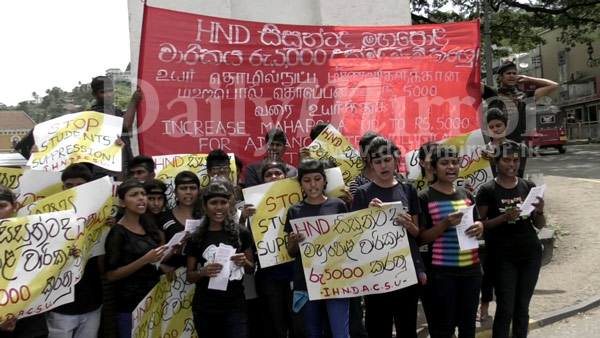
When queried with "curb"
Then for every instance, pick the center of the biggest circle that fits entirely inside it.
(555, 316)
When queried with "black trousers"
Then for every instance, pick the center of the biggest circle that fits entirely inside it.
(514, 282)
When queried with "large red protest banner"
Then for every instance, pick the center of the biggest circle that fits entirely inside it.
(219, 83)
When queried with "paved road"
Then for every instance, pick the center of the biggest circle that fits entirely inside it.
(584, 325)
(580, 161)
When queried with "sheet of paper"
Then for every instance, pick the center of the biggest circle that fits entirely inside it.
(466, 242)
(535, 192)
(223, 257)
(191, 225)
(176, 239)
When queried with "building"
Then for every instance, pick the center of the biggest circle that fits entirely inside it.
(577, 70)
(14, 125)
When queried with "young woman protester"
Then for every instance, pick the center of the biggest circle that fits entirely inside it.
(311, 175)
(34, 326)
(273, 283)
(454, 277)
(366, 175)
(131, 247)
(156, 192)
(219, 313)
(512, 240)
(380, 317)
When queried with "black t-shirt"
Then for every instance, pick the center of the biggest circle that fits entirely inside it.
(401, 192)
(446, 256)
(122, 248)
(170, 226)
(216, 301)
(302, 209)
(88, 291)
(516, 110)
(515, 240)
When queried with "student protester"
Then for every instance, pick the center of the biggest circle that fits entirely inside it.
(131, 247)
(313, 181)
(276, 142)
(218, 163)
(81, 318)
(454, 277)
(187, 186)
(512, 100)
(141, 168)
(383, 158)
(28, 327)
(218, 313)
(156, 192)
(366, 175)
(512, 241)
(273, 283)
(103, 91)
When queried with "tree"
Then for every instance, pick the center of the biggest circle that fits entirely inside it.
(517, 23)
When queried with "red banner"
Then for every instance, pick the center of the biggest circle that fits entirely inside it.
(218, 83)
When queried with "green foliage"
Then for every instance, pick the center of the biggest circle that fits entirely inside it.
(516, 24)
(58, 102)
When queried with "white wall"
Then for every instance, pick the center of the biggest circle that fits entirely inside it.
(299, 12)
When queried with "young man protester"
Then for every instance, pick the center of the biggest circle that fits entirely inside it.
(512, 100)
(276, 144)
(141, 168)
(81, 318)
(103, 91)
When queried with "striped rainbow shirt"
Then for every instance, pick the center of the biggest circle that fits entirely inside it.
(445, 249)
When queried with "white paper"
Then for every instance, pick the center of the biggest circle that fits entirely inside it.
(223, 257)
(191, 225)
(176, 239)
(466, 242)
(535, 192)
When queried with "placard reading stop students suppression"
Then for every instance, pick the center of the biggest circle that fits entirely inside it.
(354, 254)
(74, 138)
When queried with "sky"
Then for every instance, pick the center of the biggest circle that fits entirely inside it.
(57, 43)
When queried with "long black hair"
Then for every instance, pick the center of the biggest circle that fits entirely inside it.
(217, 189)
(145, 221)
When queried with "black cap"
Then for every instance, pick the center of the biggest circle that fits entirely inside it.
(506, 67)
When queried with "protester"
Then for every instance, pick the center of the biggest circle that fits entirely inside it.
(28, 327)
(103, 91)
(131, 247)
(366, 175)
(156, 192)
(454, 278)
(81, 318)
(512, 100)
(218, 163)
(512, 240)
(187, 186)
(141, 168)
(383, 157)
(218, 313)
(311, 175)
(276, 142)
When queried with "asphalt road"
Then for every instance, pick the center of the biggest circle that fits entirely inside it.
(580, 161)
(584, 325)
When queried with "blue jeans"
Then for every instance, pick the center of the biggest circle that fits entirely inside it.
(337, 312)
(514, 282)
(454, 301)
(124, 324)
(230, 325)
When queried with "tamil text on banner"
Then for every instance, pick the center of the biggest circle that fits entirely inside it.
(79, 137)
(30, 185)
(272, 200)
(355, 254)
(474, 169)
(37, 271)
(167, 310)
(92, 203)
(223, 83)
(332, 145)
(168, 166)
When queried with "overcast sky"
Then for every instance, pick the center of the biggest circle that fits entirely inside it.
(45, 44)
